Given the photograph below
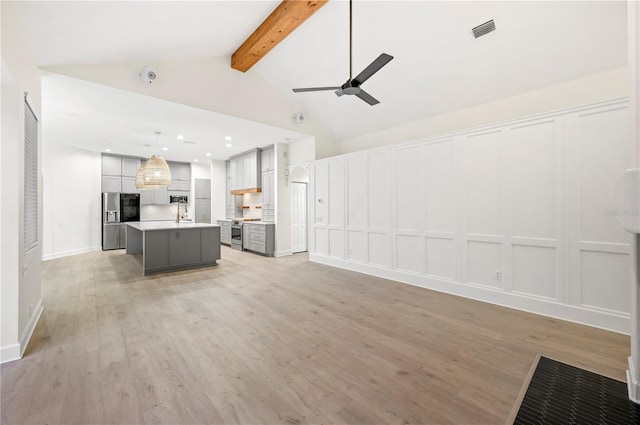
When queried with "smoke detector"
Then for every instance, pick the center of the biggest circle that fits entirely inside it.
(148, 74)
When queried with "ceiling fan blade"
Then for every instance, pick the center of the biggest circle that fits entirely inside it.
(367, 97)
(373, 67)
(315, 89)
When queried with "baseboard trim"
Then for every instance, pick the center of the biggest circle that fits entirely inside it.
(31, 326)
(9, 353)
(282, 253)
(578, 314)
(15, 352)
(633, 387)
(61, 254)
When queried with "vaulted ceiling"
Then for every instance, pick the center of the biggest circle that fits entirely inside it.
(438, 65)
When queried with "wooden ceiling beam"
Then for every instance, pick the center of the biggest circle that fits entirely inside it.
(283, 21)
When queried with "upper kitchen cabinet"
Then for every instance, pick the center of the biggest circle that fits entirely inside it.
(180, 176)
(130, 167)
(268, 161)
(111, 165)
(158, 196)
(180, 171)
(119, 173)
(245, 174)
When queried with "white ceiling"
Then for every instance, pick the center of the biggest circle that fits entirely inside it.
(438, 66)
(97, 117)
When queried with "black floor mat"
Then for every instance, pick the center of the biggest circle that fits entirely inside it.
(562, 394)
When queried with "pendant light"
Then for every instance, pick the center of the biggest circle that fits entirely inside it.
(155, 173)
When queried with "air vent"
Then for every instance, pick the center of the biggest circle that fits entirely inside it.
(189, 142)
(483, 29)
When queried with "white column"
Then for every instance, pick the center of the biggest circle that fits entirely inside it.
(633, 374)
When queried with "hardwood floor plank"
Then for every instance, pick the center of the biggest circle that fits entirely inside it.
(279, 341)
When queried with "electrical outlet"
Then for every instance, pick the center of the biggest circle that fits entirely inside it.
(498, 275)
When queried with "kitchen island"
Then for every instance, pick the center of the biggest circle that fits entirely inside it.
(169, 246)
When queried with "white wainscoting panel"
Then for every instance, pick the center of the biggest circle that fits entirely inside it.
(484, 260)
(357, 192)
(516, 213)
(534, 271)
(601, 272)
(379, 249)
(408, 253)
(603, 143)
(336, 193)
(534, 181)
(409, 188)
(336, 243)
(357, 245)
(484, 183)
(439, 257)
(379, 190)
(440, 186)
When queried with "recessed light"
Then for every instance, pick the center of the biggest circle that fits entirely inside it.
(165, 149)
(180, 137)
(107, 150)
(208, 154)
(229, 145)
(227, 138)
(195, 160)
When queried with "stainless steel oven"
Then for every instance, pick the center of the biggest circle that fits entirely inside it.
(236, 235)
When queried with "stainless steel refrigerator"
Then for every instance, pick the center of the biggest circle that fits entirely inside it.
(111, 221)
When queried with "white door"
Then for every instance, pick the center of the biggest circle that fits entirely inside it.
(298, 217)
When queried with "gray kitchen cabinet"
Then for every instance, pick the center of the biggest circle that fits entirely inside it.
(244, 170)
(203, 188)
(129, 185)
(158, 196)
(268, 196)
(203, 210)
(225, 231)
(259, 238)
(111, 165)
(267, 159)
(180, 185)
(111, 184)
(180, 170)
(130, 167)
(180, 176)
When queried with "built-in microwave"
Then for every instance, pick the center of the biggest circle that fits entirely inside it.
(174, 199)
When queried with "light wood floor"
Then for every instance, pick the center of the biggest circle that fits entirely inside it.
(276, 341)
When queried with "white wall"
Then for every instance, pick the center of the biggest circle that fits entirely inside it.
(302, 151)
(594, 88)
(283, 201)
(21, 285)
(72, 201)
(517, 214)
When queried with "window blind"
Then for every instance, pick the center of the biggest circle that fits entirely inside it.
(30, 178)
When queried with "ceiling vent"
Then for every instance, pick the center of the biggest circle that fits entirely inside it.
(484, 29)
(190, 142)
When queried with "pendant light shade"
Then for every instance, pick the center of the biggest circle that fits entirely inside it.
(140, 181)
(156, 172)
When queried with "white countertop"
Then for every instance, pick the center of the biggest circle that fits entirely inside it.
(167, 225)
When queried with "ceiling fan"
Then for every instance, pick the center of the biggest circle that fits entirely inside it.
(352, 86)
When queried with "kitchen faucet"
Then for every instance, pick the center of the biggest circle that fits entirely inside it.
(186, 209)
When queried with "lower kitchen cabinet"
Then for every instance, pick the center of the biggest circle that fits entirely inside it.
(259, 238)
(225, 231)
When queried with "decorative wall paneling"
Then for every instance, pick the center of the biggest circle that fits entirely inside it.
(516, 214)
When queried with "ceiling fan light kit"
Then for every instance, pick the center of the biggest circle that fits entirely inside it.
(352, 86)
